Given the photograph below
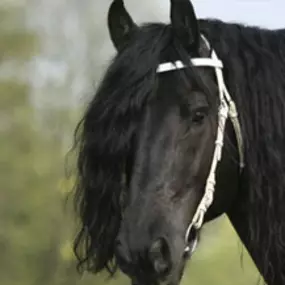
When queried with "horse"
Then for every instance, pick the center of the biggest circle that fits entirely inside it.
(187, 124)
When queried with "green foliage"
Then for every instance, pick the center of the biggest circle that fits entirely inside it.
(16, 45)
(29, 228)
(30, 168)
(15, 41)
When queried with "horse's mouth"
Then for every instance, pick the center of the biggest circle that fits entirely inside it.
(174, 277)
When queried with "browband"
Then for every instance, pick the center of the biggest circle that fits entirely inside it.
(209, 62)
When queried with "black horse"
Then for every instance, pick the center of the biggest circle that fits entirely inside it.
(146, 144)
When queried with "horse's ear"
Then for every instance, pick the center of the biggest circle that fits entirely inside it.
(120, 24)
(185, 24)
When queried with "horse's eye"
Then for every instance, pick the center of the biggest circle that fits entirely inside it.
(199, 116)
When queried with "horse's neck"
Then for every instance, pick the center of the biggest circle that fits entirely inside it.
(255, 64)
(273, 276)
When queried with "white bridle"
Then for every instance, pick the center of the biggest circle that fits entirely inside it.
(227, 109)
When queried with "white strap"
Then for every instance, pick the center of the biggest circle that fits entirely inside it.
(209, 62)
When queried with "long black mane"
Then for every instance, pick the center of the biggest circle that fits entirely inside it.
(254, 72)
(254, 69)
(104, 138)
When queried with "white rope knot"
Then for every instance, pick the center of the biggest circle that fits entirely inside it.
(223, 111)
(219, 142)
(233, 110)
(209, 198)
(211, 181)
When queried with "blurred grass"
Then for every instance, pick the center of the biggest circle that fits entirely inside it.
(221, 259)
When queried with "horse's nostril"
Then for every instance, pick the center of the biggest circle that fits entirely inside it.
(159, 255)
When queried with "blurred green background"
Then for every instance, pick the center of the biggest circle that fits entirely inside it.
(52, 53)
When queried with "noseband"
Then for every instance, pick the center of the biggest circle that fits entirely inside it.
(227, 109)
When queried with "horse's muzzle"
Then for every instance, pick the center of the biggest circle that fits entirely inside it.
(153, 262)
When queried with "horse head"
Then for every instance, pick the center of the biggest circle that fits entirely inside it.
(148, 140)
